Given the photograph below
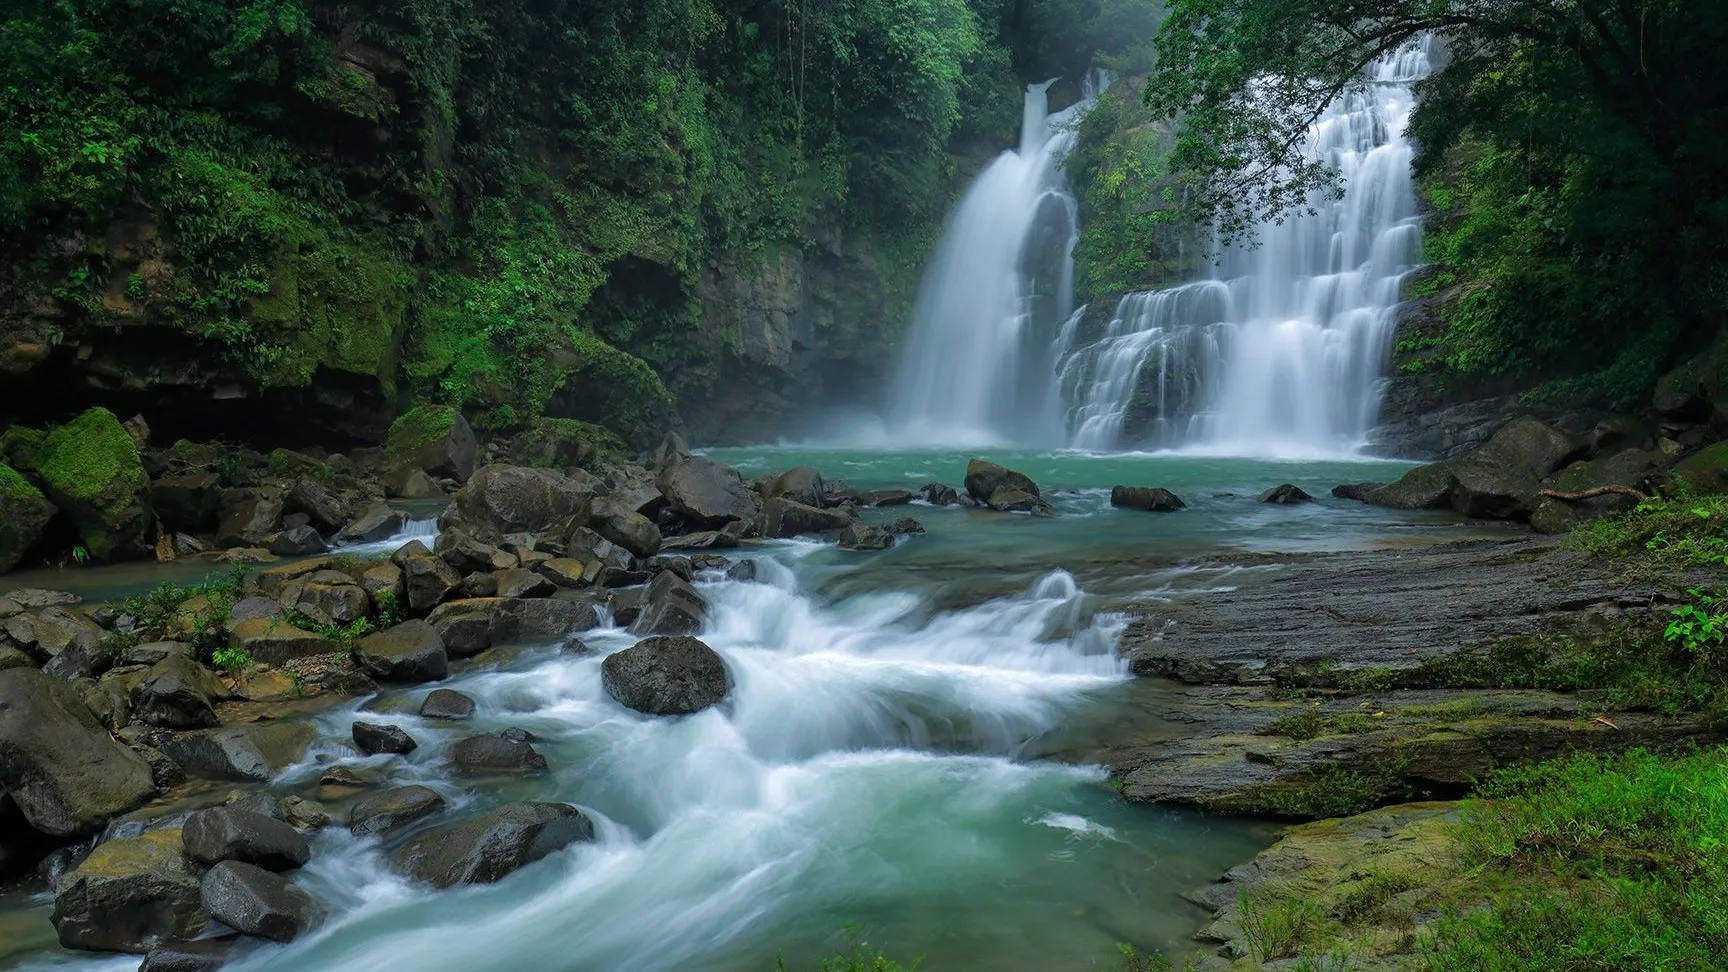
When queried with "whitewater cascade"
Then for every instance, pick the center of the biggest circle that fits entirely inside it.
(1281, 353)
(978, 359)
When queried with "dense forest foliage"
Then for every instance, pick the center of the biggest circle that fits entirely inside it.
(1575, 155)
(495, 205)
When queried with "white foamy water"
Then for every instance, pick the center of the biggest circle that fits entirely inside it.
(424, 530)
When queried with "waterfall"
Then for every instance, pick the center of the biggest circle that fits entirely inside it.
(977, 363)
(1281, 353)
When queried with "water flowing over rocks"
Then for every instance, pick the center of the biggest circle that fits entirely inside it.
(386, 813)
(490, 847)
(666, 676)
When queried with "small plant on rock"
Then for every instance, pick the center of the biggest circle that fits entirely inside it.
(231, 660)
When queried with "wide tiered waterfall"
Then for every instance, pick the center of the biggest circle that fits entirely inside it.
(978, 360)
(1280, 353)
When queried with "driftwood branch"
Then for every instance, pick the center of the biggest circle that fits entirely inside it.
(1594, 492)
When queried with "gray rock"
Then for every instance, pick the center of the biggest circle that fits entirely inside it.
(58, 764)
(233, 834)
(1354, 491)
(376, 522)
(743, 570)
(323, 506)
(1018, 501)
(254, 901)
(129, 895)
(1286, 494)
(1494, 492)
(200, 956)
(518, 582)
(673, 608)
(705, 492)
(488, 848)
(249, 515)
(802, 484)
(521, 619)
(666, 676)
(625, 527)
(447, 704)
(386, 813)
(493, 753)
(782, 517)
(177, 693)
(502, 499)
(428, 581)
(1533, 447)
(1423, 488)
(245, 753)
(295, 542)
(985, 479)
(409, 652)
(939, 494)
(371, 738)
(859, 535)
(328, 597)
(1154, 499)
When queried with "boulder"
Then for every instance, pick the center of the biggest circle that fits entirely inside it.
(1354, 491)
(253, 901)
(188, 502)
(494, 753)
(57, 762)
(517, 582)
(409, 652)
(91, 470)
(371, 738)
(1286, 494)
(1706, 470)
(522, 619)
(386, 813)
(328, 597)
(939, 494)
(802, 484)
(859, 535)
(625, 527)
(177, 693)
(885, 497)
(323, 506)
(384, 582)
(69, 640)
(502, 499)
(249, 515)
(707, 493)
(273, 641)
(590, 547)
(465, 633)
(666, 676)
(467, 554)
(406, 482)
(1154, 499)
(1422, 488)
(295, 542)
(487, 848)
(428, 580)
(206, 955)
(447, 704)
(563, 571)
(254, 752)
(783, 517)
(985, 479)
(233, 834)
(1018, 501)
(673, 608)
(435, 439)
(1531, 446)
(129, 895)
(743, 570)
(374, 523)
(1494, 491)
(273, 581)
(24, 514)
(1612, 435)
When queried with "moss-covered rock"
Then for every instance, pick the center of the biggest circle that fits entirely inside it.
(435, 439)
(1706, 470)
(559, 443)
(24, 513)
(92, 472)
(21, 447)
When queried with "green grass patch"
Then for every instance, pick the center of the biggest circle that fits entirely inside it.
(1663, 535)
(1312, 725)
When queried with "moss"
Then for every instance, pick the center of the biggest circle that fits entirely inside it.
(21, 447)
(14, 487)
(614, 388)
(418, 427)
(558, 443)
(91, 468)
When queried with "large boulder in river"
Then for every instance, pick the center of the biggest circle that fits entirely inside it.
(90, 468)
(253, 752)
(488, 848)
(392, 810)
(511, 619)
(1531, 446)
(802, 484)
(435, 439)
(1494, 491)
(58, 763)
(1286, 494)
(1422, 488)
(177, 693)
(984, 479)
(232, 834)
(129, 895)
(324, 507)
(253, 901)
(673, 607)
(249, 515)
(666, 676)
(409, 652)
(24, 514)
(786, 517)
(1155, 499)
(502, 499)
(374, 523)
(707, 493)
(859, 535)
(625, 527)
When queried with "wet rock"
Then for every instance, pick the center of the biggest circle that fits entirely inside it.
(376, 522)
(494, 753)
(447, 704)
(1018, 501)
(590, 547)
(232, 834)
(465, 633)
(1286, 494)
(625, 527)
(1423, 488)
(684, 567)
(1706, 470)
(705, 492)
(323, 506)
(701, 540)
(859, 535)
(428, 581)
(177, 693)
(249, 515)
(1494, 492)
(503, 499)
(574, 646)
(391, 811)
(562, 571)
(613, 577)
(885, 497)
(626, 605)
(33, 598)
(69, 640)
(371, 738)
(467, 554)
(11, 658)
(743, 570)
(783, 517)
(1154, 499)
(24, 514)
(800, 485)
(1354, 491)
(128, 895)
(435, 439)
(522, 619)
(1531, 447)
(57, 762)
(253, 752)
(666, 676)
(406, 482)
(302, 814)
(902, 527)
(486, 849)
(523, 583)
(328, 597)
(91, 470)
(673, 608)
(273, 641)
(200, 956)
(254, 901)
(383, 582)
(413, 548)
(409, 652)
(346, 777)
(939, 494)
(985, 479)
(295, 542)
(187, 503)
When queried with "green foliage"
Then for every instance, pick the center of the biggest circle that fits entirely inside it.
(1129, 239)
(1279, 927)
(92, 457)
(231, 660)
(1664, 534)
(21, 447)
(1697, 630)
(14, 486)
(1328, 790)
(1312, 725)
(418, 427)
(194, 613)
(1610, 863)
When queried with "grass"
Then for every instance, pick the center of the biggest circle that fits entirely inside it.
(1328, 790)
(1312, 725)
(1682, 532)
(195, 612)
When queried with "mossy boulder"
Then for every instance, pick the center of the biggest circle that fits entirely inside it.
(554, 443)
(1706, 470)
(91, 470)
(24, 513)
(20, 447)
(435, 439)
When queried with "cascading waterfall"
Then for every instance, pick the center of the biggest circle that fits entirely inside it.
(1281, 354)
(977, 363)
